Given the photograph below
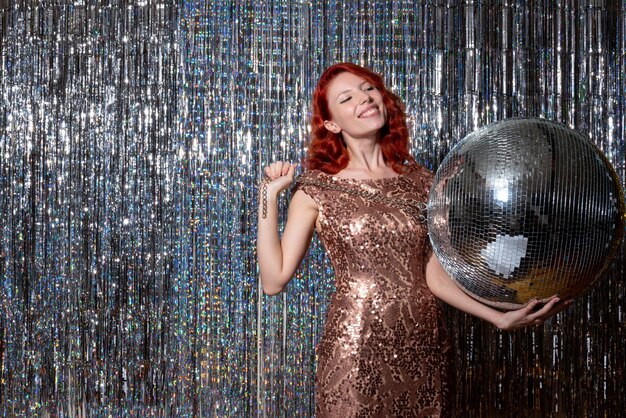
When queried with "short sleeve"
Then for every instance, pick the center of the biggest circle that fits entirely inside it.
(305, 182)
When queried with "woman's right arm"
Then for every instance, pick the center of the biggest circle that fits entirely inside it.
(278, 257)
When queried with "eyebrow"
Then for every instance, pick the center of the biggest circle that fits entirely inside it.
(346, 91)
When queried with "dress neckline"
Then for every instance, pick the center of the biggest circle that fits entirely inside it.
(334, 177)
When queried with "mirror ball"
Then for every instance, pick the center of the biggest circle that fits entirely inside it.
(525, 208)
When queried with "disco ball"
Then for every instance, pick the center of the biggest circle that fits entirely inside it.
(523, 209)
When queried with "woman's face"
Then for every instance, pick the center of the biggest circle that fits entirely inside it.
(356, 107)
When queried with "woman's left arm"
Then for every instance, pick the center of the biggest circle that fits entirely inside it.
(442, 286)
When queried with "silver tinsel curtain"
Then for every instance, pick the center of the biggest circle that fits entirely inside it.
(132, 137)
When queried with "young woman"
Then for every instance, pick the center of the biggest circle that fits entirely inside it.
(384, 351)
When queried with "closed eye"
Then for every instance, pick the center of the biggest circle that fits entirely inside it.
(346, 99)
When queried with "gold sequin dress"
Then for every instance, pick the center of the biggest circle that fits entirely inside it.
(384, 351)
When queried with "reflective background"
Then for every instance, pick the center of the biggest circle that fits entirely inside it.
(132, 138)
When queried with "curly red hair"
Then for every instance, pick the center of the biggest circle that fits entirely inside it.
(327, 151)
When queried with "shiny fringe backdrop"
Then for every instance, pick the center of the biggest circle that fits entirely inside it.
(132, 137)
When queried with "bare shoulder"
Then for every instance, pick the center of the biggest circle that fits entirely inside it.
(301, 201)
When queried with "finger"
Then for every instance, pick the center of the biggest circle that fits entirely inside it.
(274, 169)
(559, 307)
(292, 170)
(528, 309)
(545, 309)
(285, 169)
(267, 171)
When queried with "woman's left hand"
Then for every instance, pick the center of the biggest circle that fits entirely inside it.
(530, 315)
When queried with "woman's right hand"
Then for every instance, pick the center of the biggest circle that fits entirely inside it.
(280, 176)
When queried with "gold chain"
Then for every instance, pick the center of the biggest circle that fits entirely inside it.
(264, 197)
(410, 205)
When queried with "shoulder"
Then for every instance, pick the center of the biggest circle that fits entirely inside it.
(308, 183)
(419, 172)
(303, 201)
(308, 176)
(309, 179)
(421, 178)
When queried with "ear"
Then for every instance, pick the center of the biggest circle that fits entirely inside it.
(332, 126)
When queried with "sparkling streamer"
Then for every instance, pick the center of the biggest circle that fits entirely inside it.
(132, 138)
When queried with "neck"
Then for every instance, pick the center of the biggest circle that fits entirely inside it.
(365, 155)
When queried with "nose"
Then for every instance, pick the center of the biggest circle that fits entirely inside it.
(366, 98)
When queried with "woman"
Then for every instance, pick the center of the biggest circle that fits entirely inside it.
(384, 351)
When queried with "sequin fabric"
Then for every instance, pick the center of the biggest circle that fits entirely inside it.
(384, 351)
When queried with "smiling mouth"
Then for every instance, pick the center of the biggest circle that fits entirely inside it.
(369, 112)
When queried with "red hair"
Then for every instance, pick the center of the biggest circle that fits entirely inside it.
(327, 151)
